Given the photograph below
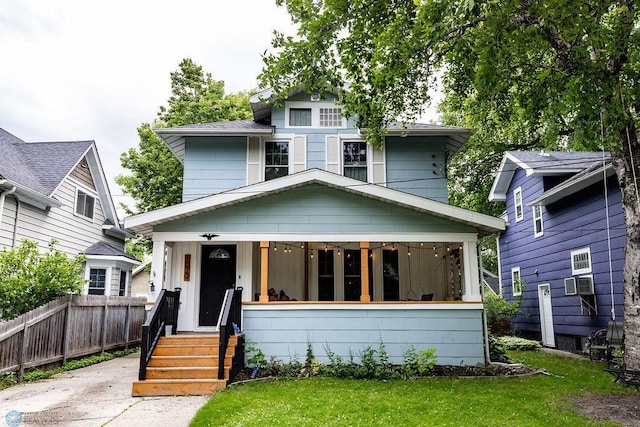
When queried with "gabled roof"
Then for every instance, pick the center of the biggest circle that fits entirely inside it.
(539, 163)
(144, 223)
(36, 170)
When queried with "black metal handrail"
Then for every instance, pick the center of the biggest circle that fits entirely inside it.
(230, 324)
(164, 313)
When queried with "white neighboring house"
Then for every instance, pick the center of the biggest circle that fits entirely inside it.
(58, 190)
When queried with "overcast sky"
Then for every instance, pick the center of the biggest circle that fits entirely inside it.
(85, 70)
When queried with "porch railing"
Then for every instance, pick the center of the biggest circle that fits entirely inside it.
(164, 313)
(230, 315)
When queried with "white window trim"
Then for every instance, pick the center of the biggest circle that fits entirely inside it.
(75, 202)
(575, 286)
(580, 271)
(513, 282)
(369, 156)
(263, 153)
(537, 233)
(107, 278)
(516, 204)
(315, 113)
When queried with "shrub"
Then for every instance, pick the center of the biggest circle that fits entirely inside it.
(29, 279)
(497, 352)
(517, 343)
(500, 312)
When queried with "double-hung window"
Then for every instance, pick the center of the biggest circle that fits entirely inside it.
(355, 160)
(516, 281)
(276, 159)
(517, 204)
(97, 281)
(538, 228)
(85, 204)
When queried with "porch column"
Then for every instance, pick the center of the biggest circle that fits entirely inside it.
(158, 259)
(264, 271)
(364, 272)
(471, 275)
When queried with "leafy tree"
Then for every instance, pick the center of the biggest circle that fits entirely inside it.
(29, 279)
(156, 174)
(526, 73)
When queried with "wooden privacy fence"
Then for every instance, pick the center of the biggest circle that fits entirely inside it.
(70, 327)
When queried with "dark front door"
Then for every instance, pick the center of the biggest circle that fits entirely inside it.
(218, 273)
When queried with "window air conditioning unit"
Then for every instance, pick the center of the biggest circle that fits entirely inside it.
(570, 286)
(585, 285)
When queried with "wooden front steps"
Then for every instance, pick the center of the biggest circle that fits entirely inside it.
(185, 365)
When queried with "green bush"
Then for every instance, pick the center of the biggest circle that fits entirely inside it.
(497, 351)
(517, 343)
(500, 312)
(29, 279)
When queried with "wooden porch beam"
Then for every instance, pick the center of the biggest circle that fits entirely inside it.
(364, 272)
(264, 271)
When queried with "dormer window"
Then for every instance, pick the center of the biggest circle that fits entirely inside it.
(300, 117)
(331, 117)
(313, 115)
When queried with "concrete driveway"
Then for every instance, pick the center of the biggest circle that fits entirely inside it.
(99, 395)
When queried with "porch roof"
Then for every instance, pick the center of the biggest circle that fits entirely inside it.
(144, 223)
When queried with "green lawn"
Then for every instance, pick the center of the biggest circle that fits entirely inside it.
(531, 401)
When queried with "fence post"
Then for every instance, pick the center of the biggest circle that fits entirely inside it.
(127, 321)
(65, 331)
(25, 341)
(104, 325)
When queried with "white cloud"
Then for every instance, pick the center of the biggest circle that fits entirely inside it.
(77, 70)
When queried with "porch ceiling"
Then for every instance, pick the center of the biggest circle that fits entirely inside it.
(145, 223)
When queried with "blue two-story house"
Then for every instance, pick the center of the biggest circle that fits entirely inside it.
(563, 248)
(334, 243)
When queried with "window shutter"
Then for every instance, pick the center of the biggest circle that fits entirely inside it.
(253, 160)
(333, 154)
(299, 153)
(378, 167)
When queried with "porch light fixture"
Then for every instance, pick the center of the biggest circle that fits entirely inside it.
(209, 236)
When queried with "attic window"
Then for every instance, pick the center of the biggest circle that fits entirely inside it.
(85, 204)
(331, 117)
(300, 117)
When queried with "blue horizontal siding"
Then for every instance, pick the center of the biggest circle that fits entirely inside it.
(284, 334)
(410, 166)
(315, 208)
(213, 165)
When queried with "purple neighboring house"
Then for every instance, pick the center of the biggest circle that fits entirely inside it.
(563, 247)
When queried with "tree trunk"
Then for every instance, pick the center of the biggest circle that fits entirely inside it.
(625, 162)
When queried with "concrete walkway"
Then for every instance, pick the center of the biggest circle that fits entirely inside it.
(99, 395)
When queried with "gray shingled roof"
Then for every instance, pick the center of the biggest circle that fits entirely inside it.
(558, 159)
(13, 166)
(52, 161)
(106, 249)
(40, 166)
(235, 124)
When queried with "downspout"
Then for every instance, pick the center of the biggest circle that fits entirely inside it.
(15, 223)
(487, 353)
(3, 196)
